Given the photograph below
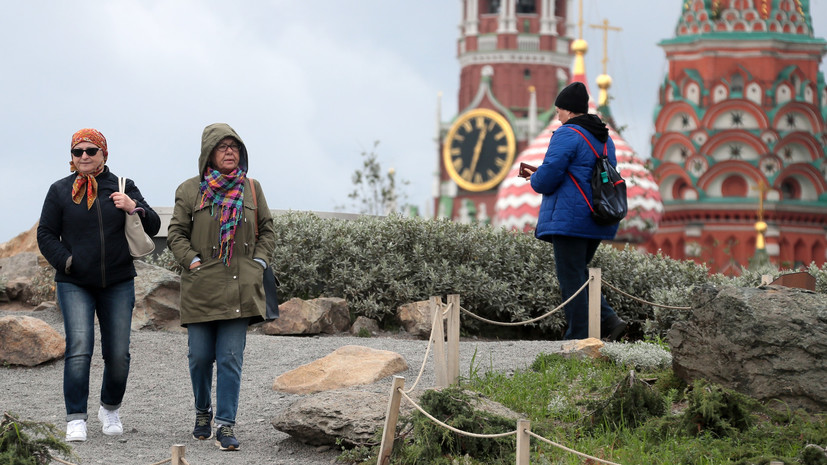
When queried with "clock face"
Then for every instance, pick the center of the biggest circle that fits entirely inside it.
(479, 150)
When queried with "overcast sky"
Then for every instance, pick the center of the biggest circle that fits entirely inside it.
(308, 85)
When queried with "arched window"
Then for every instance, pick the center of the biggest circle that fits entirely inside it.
(737, 85)
(734, 186)
(790, 189)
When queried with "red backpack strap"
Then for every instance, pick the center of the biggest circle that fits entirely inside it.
(596, 155)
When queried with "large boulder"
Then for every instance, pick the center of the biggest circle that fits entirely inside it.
(416, 318)
(346, 366)
(320, 419)
(354, 416)
(23, 242)
(768, 342)
(29, 341)
(326, 315)
(23, 273)
(157, 298)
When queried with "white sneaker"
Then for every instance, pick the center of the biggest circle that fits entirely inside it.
(76, 431)
(111, 422)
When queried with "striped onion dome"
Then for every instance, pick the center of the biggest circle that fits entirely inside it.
(518, 205)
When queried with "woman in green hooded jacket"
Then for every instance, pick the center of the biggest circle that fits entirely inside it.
(222, 234)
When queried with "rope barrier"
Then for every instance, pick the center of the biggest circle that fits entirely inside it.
(519, 323)
(534, 435)
(62, 461)
(498, 435)
(644, 301)
(424, 359)
(446, 426)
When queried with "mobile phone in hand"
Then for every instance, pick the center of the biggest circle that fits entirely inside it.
(526, 170)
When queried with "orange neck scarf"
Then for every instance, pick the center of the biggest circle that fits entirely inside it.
(86, 183)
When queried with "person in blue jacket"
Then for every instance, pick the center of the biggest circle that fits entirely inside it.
(81, 234)
(565, 218)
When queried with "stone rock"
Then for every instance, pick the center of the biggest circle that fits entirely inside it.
(583, 348)
(416, 318)
(22, 265)
(354, 416)
(23, 242)
(29, 341)
(326, 315)
(346, 366)
(19, 289)
(364, 323)
(157, 298)
(767, 343)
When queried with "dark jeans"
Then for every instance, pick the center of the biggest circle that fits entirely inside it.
(113, 305)
(572, 256)
(221, 343)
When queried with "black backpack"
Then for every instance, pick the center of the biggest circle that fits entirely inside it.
(608, 203)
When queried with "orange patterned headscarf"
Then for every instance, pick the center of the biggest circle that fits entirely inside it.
(87, 184)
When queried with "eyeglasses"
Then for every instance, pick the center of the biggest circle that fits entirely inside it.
(223, 147)
(92, 151)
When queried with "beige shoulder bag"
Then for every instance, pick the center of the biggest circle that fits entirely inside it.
(140, 244)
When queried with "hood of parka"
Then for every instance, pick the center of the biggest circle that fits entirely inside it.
(213, 134)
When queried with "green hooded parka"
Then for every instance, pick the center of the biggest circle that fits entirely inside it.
(214, 291)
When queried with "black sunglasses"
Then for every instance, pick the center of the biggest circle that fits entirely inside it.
(92, 151)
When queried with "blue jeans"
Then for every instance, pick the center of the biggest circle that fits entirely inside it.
(113, 305)
(221, 342)
(572, 256)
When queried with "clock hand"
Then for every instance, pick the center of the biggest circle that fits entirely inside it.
(477, 149)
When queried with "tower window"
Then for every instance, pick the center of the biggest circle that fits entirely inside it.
(526, 74)
(493, 6)
(526, 6)
(790, 190)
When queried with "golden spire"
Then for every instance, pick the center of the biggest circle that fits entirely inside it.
(604, 81)
(579, 46)
(760, 225)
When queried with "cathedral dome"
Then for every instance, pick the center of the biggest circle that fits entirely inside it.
(703, 17)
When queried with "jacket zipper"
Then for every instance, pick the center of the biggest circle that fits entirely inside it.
(103, 243)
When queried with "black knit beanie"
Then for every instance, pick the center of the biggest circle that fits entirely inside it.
(574, 98)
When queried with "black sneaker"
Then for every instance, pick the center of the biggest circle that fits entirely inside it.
(225, 438)
(203, 425)
(616, 330)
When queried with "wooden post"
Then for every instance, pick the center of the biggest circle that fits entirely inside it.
(391, 416)
(179, 451)
(594, 302)
(438, 333)
(523, 442)
(453, 339)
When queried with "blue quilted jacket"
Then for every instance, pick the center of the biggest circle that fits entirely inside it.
(563, 210)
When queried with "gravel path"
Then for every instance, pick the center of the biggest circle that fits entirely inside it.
(157, 411)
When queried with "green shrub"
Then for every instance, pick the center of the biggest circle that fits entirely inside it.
(638, 355)
(24, 442)
(631, 404)
(718, 411)
(431, 444)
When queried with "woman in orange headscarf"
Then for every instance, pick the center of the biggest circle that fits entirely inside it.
(81, 234)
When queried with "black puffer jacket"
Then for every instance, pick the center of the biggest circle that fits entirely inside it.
(94, 237)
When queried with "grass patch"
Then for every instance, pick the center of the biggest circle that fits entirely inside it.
(613, 411)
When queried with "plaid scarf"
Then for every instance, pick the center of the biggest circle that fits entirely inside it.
(89, 182)
(226, 191)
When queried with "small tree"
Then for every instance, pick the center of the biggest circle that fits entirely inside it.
(375, 192)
